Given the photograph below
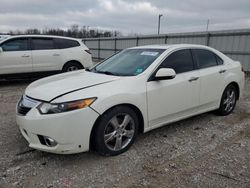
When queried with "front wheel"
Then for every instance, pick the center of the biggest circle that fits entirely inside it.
(116, 131)
(228, 100)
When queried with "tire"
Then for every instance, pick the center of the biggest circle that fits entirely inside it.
(72, 66)
(228, 100)
(115, 131)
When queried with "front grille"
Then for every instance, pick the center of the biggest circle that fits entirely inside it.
(23, 110)
(41, 139)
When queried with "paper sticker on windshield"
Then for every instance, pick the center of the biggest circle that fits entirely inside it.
(150, 53)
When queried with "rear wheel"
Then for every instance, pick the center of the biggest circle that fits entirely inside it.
(228, 100)
(72, 66)
(116, 131)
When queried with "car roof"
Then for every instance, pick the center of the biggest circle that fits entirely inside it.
(168, 46)
(44, 36)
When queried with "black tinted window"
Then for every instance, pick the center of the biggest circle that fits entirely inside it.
(42, 43)
(180, 61)
(205, 58)
(219, 60)
(65, 43)
(20, 44)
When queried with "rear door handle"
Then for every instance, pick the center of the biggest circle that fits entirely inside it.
(56, 54)
(193, 79)
(222, 71)
(25, 55)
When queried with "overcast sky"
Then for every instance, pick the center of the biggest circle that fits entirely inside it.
(127, 16)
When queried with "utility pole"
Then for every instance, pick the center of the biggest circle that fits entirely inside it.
(208, 24)
(159, 23)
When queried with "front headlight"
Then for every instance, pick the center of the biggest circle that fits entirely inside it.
(53, 108)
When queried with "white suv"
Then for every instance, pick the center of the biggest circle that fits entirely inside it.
(4, 37)
(27, 55)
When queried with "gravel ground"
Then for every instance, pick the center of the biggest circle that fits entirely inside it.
(203, 151)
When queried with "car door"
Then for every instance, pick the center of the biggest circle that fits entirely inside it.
(15, 56)
(212, 71)
(45, 55)
(172, 99)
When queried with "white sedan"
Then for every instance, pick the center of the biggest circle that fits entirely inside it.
(132, 92)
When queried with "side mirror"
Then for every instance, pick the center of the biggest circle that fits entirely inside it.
(165, 74)
(1, 49)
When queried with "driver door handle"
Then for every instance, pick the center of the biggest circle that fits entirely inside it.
(193, 79)
(56, 54)
(222, 71)
(25, 55)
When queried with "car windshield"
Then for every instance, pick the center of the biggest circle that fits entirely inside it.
(129, 62)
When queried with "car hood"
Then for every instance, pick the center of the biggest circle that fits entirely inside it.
(47, 89)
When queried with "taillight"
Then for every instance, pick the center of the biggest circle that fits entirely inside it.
(88, 51)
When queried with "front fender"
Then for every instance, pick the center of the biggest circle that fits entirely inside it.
(101, 105)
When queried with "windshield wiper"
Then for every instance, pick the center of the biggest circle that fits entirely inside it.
(107, 72)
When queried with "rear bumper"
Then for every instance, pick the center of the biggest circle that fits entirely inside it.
(70, 130)
(242, 84)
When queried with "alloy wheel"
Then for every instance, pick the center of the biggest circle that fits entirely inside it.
(229, 100)
(119, 132)
(72, 68)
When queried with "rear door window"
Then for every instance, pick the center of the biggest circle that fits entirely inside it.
(181, 61)
(65, 43)
(19, 44)
(219, 60)
(42, 44)
(205, 58)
